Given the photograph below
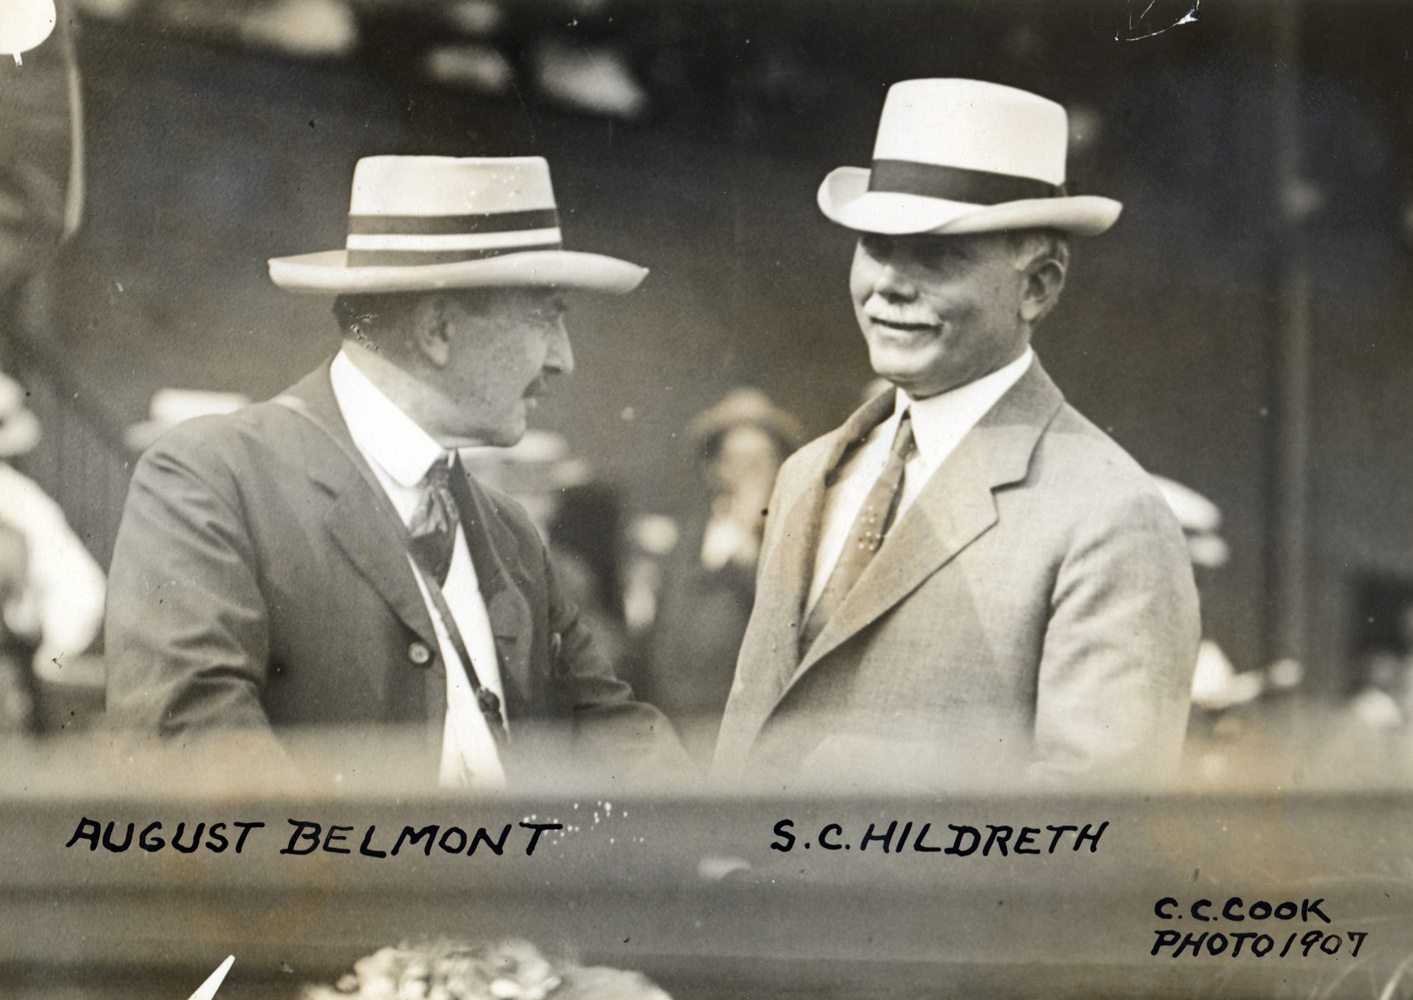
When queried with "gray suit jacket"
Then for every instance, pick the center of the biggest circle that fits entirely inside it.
(1033, 610)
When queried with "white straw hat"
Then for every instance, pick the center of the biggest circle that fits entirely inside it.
(963, 156)
(422, 223)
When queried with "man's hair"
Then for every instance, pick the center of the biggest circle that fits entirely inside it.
(1036, 246)
(379, 317)
(371, 316)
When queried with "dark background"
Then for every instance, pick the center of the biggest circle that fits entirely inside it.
(1261, 152)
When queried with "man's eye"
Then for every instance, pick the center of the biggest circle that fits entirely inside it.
(941, 255)
(551, 308)
(877, 246)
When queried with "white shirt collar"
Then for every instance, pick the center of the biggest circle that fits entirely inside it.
(940, 422)
(382, 431)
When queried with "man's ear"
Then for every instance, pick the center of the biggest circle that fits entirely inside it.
(1043, 281)
(429, 333)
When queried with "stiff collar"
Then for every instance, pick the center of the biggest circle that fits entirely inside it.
(940, 422)
(382, 431)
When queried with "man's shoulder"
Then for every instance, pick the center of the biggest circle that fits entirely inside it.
(811, 456)
(1079, 447)
(259, 427)
(1082, 477)
(264, 438)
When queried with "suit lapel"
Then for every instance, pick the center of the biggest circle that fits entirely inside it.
(792, 564)
(359, 519)
(955, 508)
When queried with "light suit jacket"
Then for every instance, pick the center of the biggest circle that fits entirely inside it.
(256, 584)
(1032, 612)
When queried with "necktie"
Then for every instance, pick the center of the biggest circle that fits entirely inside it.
(433, 531)
(435, 519)
(866, 536)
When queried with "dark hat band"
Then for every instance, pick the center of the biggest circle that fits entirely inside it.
(411, 240)
(448, 225)
(414, 258)
(974, 187)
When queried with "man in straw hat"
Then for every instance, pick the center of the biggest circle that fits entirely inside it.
(968, 578)
(323, 558)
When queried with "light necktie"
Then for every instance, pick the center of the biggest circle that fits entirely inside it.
(880, 506)
(435, 520)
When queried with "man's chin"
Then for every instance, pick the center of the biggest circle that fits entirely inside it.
(917, 387)
(906, 374)
(507, 437)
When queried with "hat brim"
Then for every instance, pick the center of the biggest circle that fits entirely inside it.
(329, 272)
(844, 198)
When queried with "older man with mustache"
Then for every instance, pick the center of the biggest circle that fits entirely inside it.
(968, 580)
(322, 559)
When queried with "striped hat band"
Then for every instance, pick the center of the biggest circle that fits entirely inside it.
(403, 240)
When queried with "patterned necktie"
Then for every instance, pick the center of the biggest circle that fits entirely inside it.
(866, 536)
(435, 519)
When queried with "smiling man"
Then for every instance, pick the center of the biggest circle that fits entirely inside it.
(323, 559)
(968, 580)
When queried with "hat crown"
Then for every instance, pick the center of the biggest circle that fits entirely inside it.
(408, 211)
(974, 125)
(446, 185)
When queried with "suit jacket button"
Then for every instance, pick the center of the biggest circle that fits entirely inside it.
(419, 654)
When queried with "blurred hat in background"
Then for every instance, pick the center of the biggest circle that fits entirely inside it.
(1200, 518)
(748, 407)
(170, 407)
(19, 428)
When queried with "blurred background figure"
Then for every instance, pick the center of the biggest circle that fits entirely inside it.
(568, 53)
(41, 171)
(579, 519)
(310, 29)
(586, 543)
(1239, 719)
(709, 579)
(51, 589)
(1368, 739)
(1384, 701)
(1216, 685)
(535, 472)
(17, 685)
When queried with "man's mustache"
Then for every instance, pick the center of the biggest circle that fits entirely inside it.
(880, 310)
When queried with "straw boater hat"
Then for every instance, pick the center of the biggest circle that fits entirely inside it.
(962, 156)
(423, 223)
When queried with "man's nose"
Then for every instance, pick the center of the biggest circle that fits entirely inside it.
(559, 359)
(893, 282)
